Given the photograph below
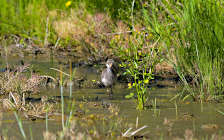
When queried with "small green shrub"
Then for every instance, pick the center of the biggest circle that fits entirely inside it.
(138, 60)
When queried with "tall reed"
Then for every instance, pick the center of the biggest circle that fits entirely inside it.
(62, 98)
(20, 126)
(193, 32)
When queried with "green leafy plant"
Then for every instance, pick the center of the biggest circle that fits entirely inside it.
(138, 60)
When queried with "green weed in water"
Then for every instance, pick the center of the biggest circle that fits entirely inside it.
(139, 59)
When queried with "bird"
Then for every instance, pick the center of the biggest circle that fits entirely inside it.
(108, 76)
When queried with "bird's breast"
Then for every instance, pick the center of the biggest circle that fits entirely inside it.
(107, 77)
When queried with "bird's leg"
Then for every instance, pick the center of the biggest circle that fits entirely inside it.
(108, 91)
(111, 91)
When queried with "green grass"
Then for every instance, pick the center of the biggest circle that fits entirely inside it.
(30, 19)
(202, 55)
(193, 31)
(25, 18)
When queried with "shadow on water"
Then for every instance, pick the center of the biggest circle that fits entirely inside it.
(165, 119)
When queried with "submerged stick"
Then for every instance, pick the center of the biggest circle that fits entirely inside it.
(60, 71)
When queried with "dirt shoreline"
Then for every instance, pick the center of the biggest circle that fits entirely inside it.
(162, 70)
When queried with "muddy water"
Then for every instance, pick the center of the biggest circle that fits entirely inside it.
(168, 120)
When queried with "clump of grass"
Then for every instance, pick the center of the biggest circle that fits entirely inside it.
(192, 32)
(16, 86)
(18, 82)
(201, 54)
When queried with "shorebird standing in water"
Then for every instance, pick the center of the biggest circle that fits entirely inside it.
(108, 76)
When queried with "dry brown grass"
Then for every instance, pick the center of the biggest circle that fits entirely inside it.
(164, 68)
(17, 82)
(71, 27)
(88, 31)
(16, 85)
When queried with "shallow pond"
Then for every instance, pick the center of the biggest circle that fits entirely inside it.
(168, 120)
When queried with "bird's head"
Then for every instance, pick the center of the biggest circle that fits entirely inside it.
(109, 63)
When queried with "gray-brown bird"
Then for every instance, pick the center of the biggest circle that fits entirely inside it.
(108, 76)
